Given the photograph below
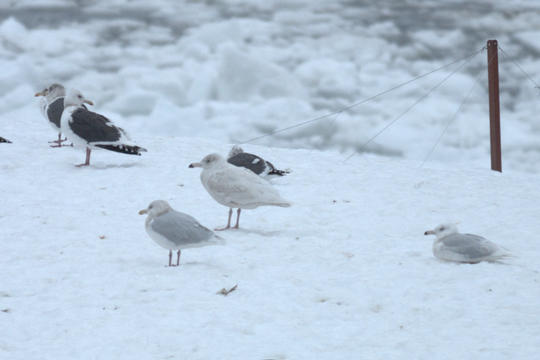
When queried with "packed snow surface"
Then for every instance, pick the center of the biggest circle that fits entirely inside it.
(344, 273)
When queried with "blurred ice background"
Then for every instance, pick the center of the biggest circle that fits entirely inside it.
(233, 70)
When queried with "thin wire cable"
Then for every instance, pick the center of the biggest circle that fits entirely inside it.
(520, 68)
(364, 100)
(453, 118)
(411, 107)
(448, 124)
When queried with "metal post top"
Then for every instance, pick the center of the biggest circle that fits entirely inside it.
(492, 43)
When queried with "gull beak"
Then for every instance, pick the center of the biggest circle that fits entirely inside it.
(144, 211)
(40, 93)
(88, 102)
(429, 232)
(194, 165)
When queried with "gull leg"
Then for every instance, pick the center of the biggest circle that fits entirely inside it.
(59, 142)
(237, 218)
(178, 258)
(170, 257)
(87, 162)
(228, 222)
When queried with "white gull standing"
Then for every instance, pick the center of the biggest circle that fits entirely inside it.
(92, 130)
(174, 230)
(52, 106)
(450, 245)
(236, 187)
(253, 162)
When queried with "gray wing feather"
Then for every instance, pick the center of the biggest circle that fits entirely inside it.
(180, 228)
(249, 161)
(54, 111)
(471, 246)
(94, 127)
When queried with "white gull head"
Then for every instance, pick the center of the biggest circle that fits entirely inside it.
(209, 162)
(156, 208)
(443, 230)
(75, 98)
(52, 92)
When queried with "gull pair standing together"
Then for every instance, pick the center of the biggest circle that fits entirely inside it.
(232, 186)
(52, 107)
(236, 187)
(67, 114)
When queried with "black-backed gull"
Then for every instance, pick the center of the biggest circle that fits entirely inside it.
(52, 106)
(92, 130)
(255, 163)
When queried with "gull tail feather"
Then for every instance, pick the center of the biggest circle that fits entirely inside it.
(282, 203)
(279, 172)
(124, 149)
(500, 257)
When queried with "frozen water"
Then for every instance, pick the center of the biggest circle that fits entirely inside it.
(244, 69)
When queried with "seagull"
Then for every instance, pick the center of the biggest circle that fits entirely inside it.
(2, 140)
(236, 187)
(255, 163)
(450, 245)
(52, 106)
(92, 130)
(174, 230)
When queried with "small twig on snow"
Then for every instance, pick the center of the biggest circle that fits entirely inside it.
(226, 292)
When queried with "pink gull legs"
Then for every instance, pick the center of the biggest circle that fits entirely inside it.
(87, 162)
(177, 259)
(229, 221)
(59, 142)
(237, 218)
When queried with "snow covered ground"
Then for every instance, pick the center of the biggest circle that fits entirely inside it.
(345, 273)
(232, 70)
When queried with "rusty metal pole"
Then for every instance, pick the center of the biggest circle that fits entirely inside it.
(494, 107)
